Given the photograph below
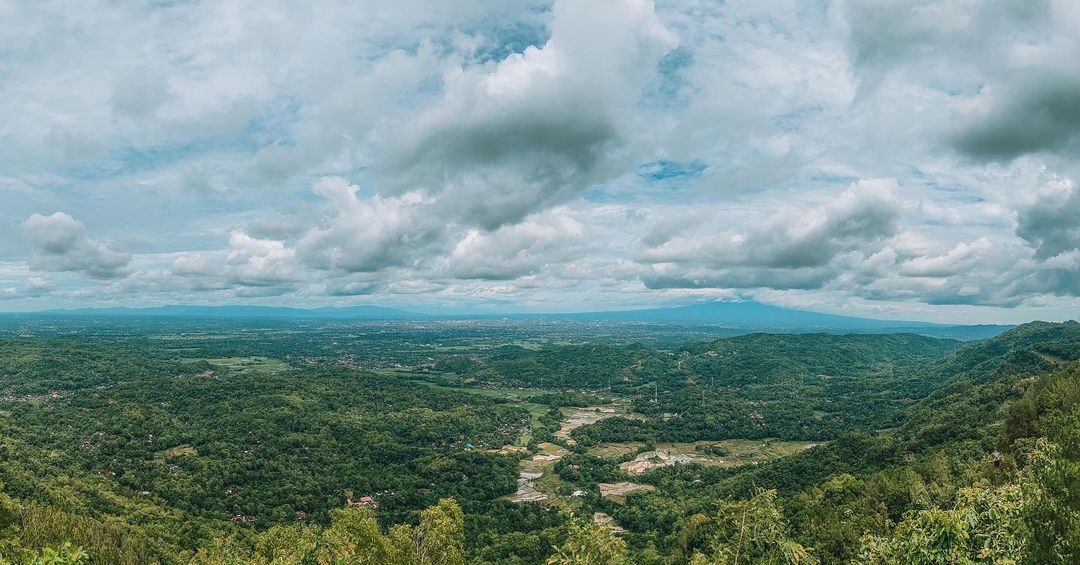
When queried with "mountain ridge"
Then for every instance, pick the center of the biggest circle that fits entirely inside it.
(748, 315)
(231, 311)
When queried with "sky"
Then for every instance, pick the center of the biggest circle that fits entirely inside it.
(893, 159)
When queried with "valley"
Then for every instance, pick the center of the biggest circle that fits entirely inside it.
(284, 428)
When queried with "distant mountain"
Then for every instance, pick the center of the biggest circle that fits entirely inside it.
(342, 313)
(763, 317)
(745, 316)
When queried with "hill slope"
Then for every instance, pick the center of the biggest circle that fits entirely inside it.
(992, 453)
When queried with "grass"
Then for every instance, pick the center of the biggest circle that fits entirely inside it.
(748, 451)
(737, 451)
(535, 411)
(742, 451)
(180, 450)
(616, 449)
(247, 364)
(550, 484)
(617, 492)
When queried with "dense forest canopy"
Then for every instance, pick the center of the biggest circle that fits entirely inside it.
(390, 442)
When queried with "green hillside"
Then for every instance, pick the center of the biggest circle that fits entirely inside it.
(762, 448)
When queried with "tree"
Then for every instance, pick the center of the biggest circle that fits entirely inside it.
(353, 537)
(750, 531)
(66, 554)
(833, 516)
(590, 545)
(985, 526)
(440, 537)
(1051, 502)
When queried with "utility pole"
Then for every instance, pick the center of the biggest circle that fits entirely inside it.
(654, 392)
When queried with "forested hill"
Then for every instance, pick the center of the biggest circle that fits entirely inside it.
(980, 381)
(813, 448)
(758, 358)
(983, 470)
(754, 358)
(970, 407)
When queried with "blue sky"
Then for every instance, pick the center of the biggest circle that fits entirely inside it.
(909, 160)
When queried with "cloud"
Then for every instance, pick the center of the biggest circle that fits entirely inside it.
(545, 154)
(258, 262)
(537, 128)
(888, 34)
(1058, 275)
(1038, 113)
(377, 233)
(347, 287)
(791, 249)
(959, 259)
(514, 251)
(251, 263)
(138, 92)
(191, 265)
(59, 243)
(1051, 224)
(981, 272)
(667, 277)
(34, 287)
(1006, 68)
(370, 234)
(978, 272)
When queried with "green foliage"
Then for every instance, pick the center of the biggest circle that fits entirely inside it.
(440, 537)
(985, 526)
(66, 554)
(1033, 519)
(1052, 467)
(253, 444)
(747, 531)
(834, 515)
(590, 545)
(138, 446)
(30, 531)
(514, 533)
(353, 537)
(1051, 497)
(570, 398)
(978, 380)
(590, 366)
(795, 387)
